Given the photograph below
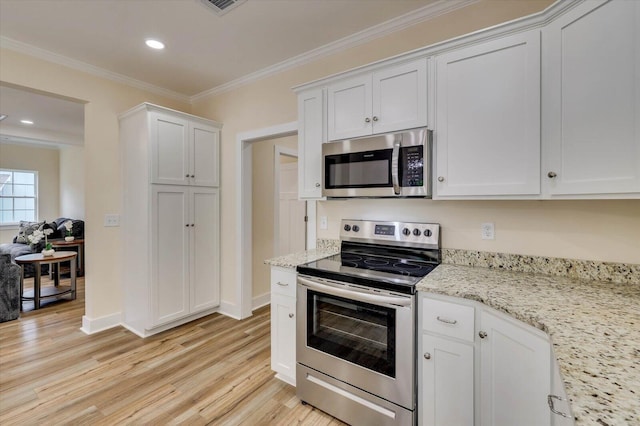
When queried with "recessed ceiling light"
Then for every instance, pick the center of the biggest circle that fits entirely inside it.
(3, 116)
(29, 122)
(155, 44)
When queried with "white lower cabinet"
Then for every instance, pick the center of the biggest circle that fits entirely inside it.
(558, 400)
(479, 366)
(447, 382)
(515, 372)
(283, 324)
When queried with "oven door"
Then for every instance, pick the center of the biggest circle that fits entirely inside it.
(359, 336)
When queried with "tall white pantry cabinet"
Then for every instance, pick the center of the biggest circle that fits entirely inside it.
(170, 218)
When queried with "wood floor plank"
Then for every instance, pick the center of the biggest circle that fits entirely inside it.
(212, 371)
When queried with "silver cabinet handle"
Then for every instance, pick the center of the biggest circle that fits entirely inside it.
(282, 284)
(290, 315)
(375, 118)
(447, 321)
(550, 399)
(427, 355)
(551, 175)
(367, 120)
(440, 178)
(482, 334)
(317, 185)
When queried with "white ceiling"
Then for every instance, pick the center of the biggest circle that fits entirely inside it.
(204, 51)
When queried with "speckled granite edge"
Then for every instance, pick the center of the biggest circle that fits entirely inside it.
(573, 268)
(290, 261)
(327, 244)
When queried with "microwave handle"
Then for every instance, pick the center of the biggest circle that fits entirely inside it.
(394, 167)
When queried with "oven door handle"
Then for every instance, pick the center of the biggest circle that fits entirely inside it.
(355, 295)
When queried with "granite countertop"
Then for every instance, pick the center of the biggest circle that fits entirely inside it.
(594, 328)
(290, 261)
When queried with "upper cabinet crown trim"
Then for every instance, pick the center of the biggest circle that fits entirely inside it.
(146, 106)
(535, 20)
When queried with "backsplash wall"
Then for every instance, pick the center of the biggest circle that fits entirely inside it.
(602, 230)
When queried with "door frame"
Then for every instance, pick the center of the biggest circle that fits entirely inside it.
(277, 152)
(243, 305)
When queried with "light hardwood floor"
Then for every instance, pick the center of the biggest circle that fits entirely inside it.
(215, 370)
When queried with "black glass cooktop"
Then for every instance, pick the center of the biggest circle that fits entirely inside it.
(379, 267)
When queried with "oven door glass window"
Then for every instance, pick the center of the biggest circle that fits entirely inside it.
(358, 332)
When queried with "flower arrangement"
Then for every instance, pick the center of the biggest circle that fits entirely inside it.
(68, 226)
(38, 235)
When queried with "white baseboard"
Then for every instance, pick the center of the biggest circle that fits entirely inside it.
(260, 301)
(230, 309)
(95, 325)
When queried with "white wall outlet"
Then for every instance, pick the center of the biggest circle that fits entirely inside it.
(323, 222)
(111, 220)
(488, 231)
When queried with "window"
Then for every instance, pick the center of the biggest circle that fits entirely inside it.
(18, 196)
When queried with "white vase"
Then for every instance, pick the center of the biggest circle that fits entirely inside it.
(49, 252)
(67, 239)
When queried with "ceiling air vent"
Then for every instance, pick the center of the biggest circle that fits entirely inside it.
(220, 7)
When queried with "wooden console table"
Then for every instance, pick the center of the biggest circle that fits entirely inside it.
(37, 260)
(79, 243)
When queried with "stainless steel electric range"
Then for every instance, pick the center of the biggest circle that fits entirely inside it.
(356, 321)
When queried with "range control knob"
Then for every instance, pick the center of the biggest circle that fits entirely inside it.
(427, 232)
(406, 231)
(416, 232)
(347, 228)
(355, 228)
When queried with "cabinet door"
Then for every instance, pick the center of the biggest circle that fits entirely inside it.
(311, 107)
(446, 382)
(487, 133)
(592, 100)
(400, 97)
(283, 337)
(349, 108)
(204, 155)
(515, 373)
(204, 249)
(169, 149)
(170, 245)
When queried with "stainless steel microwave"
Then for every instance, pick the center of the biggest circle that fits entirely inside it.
(389, 165)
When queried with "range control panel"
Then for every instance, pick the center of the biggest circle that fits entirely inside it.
(410, 234)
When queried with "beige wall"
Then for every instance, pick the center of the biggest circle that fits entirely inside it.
(104, 99)
(262, 200)
(72, 182)
(46, 162)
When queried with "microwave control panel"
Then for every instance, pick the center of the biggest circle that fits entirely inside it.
(412, 166)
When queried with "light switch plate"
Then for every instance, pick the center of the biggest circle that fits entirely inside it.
(111, 220)
(323, 222)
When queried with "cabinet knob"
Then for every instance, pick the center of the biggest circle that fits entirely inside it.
(375, 118)
(427, 355)
(193, 176)
(187, 175)
(187, 225)
(193, 224)
(482, 334)
(440, 178)
(290, 315)
(317, 185)
(367, 120)
(551, 175)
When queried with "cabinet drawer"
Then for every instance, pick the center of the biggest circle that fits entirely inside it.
(449, 319)
(283, 282)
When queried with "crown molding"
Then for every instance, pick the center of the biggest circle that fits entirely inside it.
(28, 49)
(400, 23)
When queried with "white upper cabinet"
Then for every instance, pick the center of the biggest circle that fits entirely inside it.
(311, 120)
(591, 112)
(184, 152)
(393, 98)
(487, 112)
